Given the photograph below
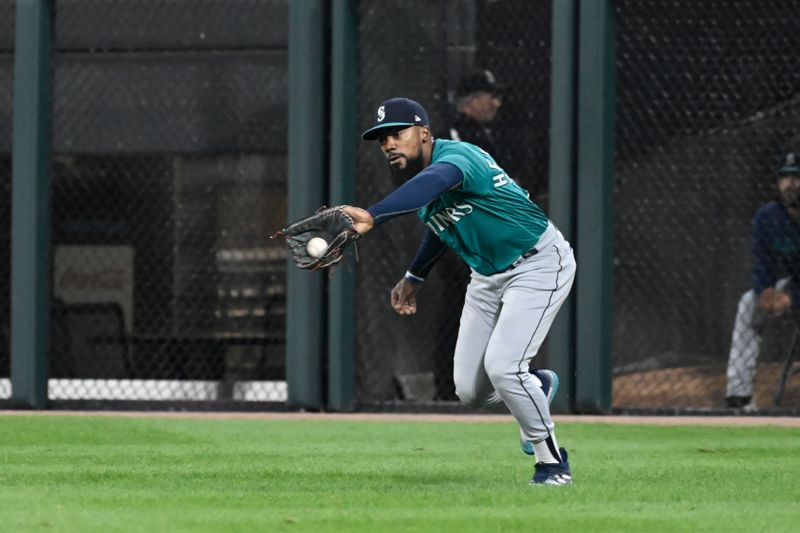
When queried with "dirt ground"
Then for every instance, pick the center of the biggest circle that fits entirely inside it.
(699, 387)
(782, 421)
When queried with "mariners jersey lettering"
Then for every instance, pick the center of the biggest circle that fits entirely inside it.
(490, 220)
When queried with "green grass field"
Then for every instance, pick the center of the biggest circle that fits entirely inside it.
(94, 473)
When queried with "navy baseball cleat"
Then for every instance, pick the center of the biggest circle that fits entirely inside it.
(553, 474)
(549, 381)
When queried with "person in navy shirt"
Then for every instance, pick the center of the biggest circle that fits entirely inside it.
(776, 248)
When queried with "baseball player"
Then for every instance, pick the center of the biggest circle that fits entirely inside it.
(521, 269)
(776, 239)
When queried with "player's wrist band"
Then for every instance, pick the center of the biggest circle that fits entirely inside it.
(412, 277)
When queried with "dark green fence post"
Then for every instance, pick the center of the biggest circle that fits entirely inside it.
(563, 93)
(343, 168)
(594, 306)
(308, 130)
(30, 204)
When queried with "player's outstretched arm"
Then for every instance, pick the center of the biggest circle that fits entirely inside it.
(409, 197)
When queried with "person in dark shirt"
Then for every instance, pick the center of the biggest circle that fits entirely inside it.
(776, 244)
(478, 99)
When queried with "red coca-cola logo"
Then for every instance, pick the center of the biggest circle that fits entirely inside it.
(102, 279)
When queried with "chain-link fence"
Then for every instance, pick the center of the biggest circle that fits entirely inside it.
(170, 167)
(169, 150)
(708, 103)
(706, 109)
(428, 51)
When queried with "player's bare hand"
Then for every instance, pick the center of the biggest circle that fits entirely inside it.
(774, 301)
(404, 299)
(362, 220)
(781, 303)
(766, 300)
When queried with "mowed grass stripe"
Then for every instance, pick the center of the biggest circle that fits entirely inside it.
(99, 473)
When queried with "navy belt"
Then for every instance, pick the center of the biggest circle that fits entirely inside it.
(520, 259)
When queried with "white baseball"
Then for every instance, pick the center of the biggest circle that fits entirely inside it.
(316, 247)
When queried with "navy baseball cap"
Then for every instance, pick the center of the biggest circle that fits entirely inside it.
(396, 112)
(478, 81)
(791, 166)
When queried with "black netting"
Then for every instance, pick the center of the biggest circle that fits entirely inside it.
(169, 173)
(708, 103)
(169, 170)
(411, 357)
(7, 19)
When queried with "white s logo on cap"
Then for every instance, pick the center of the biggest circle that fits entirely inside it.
(381, 114)
(417, 119)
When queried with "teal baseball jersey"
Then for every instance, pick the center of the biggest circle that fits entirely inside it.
(490, 220)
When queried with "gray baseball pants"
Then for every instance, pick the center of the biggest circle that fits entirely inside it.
(746, 342)
(504, 322)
